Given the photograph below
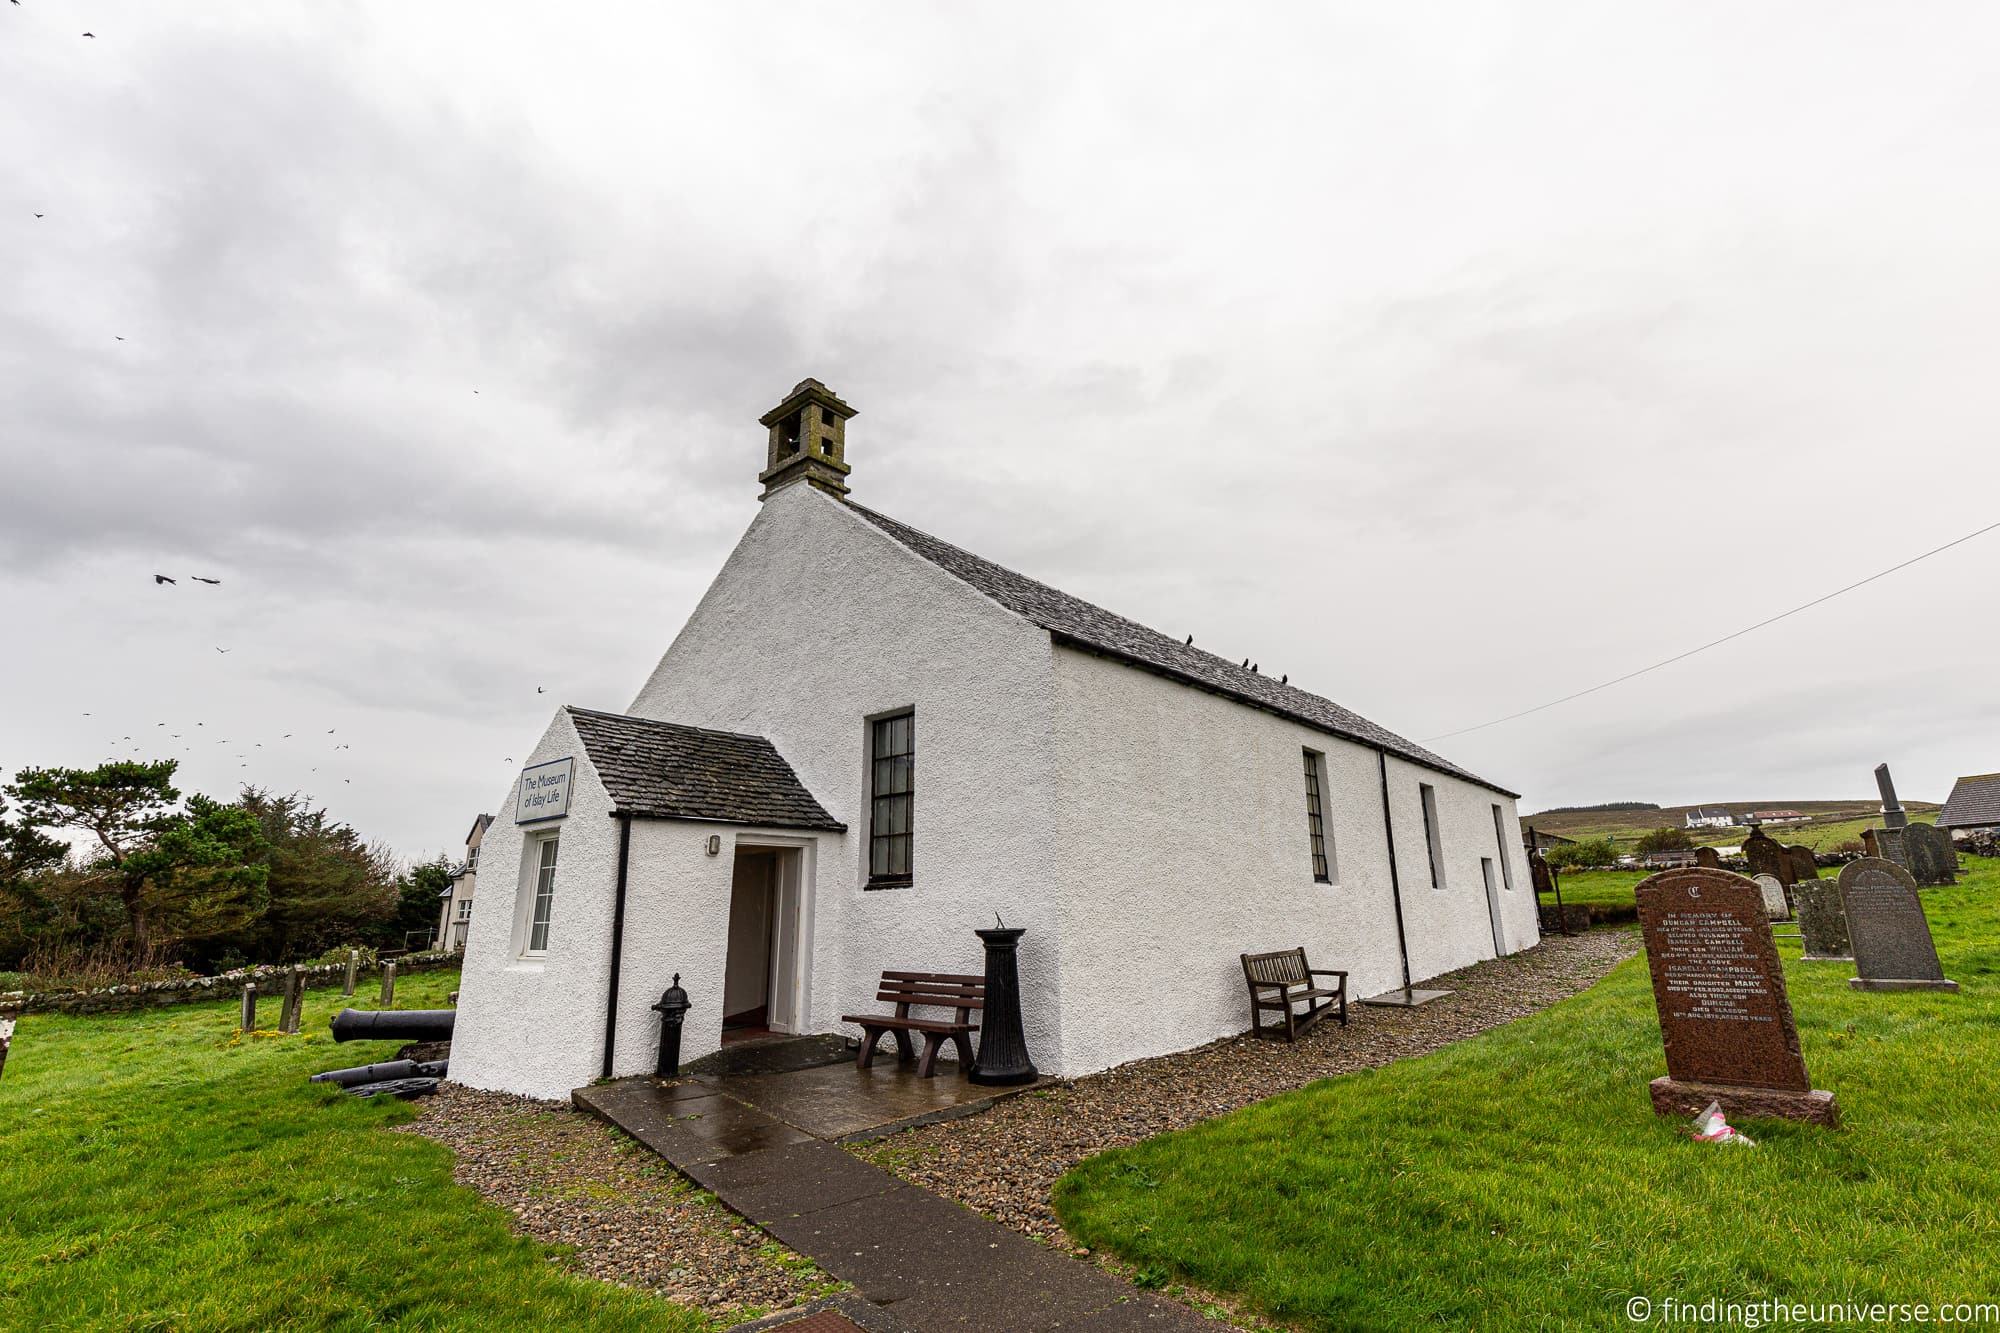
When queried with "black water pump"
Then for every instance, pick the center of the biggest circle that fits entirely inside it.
(672, 1008)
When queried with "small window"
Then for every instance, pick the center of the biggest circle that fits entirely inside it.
(472, 858)
(465, 909)
(545, 896)
(1500, 837)
(1432, 844)
(1316, 819)
(892, 793)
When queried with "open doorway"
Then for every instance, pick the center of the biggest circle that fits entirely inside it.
(760, 973)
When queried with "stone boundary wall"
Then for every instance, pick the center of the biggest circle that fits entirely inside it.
(269, 980)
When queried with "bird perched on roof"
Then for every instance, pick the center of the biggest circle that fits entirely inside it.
(1285, 680)
(1190, 641)
(158, 579)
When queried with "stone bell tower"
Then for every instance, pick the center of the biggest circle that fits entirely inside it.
(808, 440)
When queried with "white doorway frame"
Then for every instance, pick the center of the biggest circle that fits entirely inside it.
(789, 1008)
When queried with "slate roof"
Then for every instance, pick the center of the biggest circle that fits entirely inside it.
(662, 770)
(1974, 802)
(1073, 620)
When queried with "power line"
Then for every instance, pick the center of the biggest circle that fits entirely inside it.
(1713, 643)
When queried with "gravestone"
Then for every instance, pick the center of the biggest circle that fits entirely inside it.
(1929, 855)
(1889, 845)
(1708, 858)
(1886, 926)
(1822, 923)
(1725, 1019)
(6, 1039)
(1766, 857)
(1869, 845)
(1776, 906)
(1804, 864)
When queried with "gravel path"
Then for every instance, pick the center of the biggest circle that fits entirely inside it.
(1005, 1161)
(572, 1180)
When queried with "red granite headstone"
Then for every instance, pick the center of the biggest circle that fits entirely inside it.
(1724, 1016)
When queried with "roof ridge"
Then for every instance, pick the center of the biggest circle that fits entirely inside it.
(1085, 624)
(662, 722)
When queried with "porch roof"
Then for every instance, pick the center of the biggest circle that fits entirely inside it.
(662, 770)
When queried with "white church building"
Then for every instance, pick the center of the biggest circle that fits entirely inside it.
(825, 778)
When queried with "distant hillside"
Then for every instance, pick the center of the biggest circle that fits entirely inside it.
(1831, 821)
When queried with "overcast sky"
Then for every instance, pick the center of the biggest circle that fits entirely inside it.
(1447, 358)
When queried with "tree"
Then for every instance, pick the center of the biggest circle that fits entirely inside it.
(326, 886)
(1582, 855)
(27, 855)
(175, 874)
(1665, 840)
(421, 891)
(122, 805)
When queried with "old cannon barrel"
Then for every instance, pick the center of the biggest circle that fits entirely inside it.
(393, 1024)
(388, 1069)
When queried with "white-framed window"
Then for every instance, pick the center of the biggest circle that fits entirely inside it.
(1433, 844)
(543, 850)
(465, 909)
(472, 858)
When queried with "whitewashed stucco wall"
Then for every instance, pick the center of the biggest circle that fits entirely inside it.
(535, 1027)
(1183, 837)
(818, 621)
(1144, 832)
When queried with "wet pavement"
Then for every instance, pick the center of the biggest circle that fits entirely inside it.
(924, 1261)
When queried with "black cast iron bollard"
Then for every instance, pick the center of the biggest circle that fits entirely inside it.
(672, 1008)
(1003, 1047)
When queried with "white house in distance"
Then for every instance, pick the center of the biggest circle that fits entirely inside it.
(866, 743)
(455, 905)
(1702, 817)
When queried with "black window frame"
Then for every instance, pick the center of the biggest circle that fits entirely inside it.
(894, 852)
(1322, 864)
(1433, 843)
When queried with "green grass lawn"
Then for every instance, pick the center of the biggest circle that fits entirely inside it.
(1521, 1180)
(1599, 888)
(157, 1171)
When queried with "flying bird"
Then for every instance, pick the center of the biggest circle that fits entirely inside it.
(18, 2)
(329, 731)
(119, 336)
(287, 736)
(199, 579)
(90, 34)
(158, 579)
(540, 690)
(222, 650)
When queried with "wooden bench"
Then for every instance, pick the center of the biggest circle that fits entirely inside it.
(931, 990)
(1281, 979)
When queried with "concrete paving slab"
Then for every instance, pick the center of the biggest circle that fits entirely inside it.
(794, 1180)
(939, 1266)
(841, 1101)
(1404, 999)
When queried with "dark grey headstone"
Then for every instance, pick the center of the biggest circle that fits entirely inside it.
(1804, 864)
(1889, 846)
(1708, 858)
(1928, 853)
(1893, 814)
(1765, 856)
(1886, 925)
(1822, 923)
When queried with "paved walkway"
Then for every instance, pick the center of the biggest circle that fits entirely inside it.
(925, 1262)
